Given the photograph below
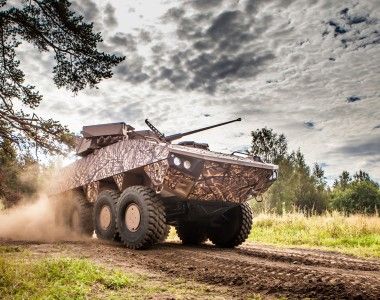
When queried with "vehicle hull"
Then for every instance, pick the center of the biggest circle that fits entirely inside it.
(211, 177)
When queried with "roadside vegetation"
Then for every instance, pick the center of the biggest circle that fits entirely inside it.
(25, 277)
(303, 188)
(301, 209)
(355, 234)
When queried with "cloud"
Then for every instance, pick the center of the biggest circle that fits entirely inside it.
(87, 8)
(252, 6)
(132, 70)
(361, 148)
(201, 4)
(173, 14)
(353, 99)
(123, 41)
(354, 28)
(109, 16)
(216, 48)
(144, 36)
(309, 124)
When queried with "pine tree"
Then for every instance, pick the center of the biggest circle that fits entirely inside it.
(50, 26)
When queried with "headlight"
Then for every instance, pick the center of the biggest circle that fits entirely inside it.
(177, 161)
(187, 164)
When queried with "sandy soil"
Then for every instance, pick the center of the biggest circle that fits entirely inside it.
(270, 271)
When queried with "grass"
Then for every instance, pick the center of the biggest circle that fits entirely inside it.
(356, 234)
(62, 278)
(25, 277)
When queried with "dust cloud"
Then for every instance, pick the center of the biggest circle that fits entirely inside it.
(35, 220)
(38, 218)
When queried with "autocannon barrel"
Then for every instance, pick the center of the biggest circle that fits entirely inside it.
(180, 135)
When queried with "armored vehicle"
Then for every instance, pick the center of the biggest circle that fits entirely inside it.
(131, 185)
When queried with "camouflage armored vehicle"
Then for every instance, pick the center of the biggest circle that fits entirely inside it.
(131, 185)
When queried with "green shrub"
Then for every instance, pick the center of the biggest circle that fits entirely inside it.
(358, 197)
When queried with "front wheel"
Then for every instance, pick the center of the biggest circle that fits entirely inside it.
(140, 218)
(105, 215)
(235, 229)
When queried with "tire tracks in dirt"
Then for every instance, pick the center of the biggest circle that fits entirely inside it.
(252, 274)
(270, 271)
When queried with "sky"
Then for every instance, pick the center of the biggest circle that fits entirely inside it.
(308, 69)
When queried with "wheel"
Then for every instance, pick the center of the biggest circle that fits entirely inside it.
(140, 217)
(104, 218)
(191, 233)
(166, 234)
(235, 230)
(79, 215)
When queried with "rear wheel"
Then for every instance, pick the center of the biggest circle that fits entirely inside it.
(140, 217)
(105, 215)
(166, 233)
(191, 233)
(235, 230)
(79, 215)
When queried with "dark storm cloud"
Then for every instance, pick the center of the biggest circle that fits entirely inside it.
(109, 16)
(217, 47)
(174, 13)
(158, 53)
(252, 6)
(124, 41)
(309, 124)
(201, 4)
(353, 99)
(361, 148)
(132, 70)
(87, 8)
(144, 36)
(354, 28)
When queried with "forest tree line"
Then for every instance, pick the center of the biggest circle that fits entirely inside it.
(305, 188)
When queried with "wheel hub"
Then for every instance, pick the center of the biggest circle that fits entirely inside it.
(105, 217)
(132, 217)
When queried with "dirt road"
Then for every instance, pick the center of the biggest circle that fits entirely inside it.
(249, 269)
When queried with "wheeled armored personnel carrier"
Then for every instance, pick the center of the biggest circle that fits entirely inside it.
(132, 185)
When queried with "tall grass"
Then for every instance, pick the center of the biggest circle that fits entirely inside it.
(355, 234)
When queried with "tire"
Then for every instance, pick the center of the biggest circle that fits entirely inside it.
(79, 215)
(166, 234)
(60, 211)
(104, 217)
(140, 218)
(191, 233)
(236, 230)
